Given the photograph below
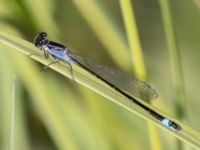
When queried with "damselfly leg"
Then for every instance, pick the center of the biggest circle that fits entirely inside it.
(51, 63)
(70, 70)
(45, 56)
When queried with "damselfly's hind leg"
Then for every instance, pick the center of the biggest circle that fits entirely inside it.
(51, 63)
(70, 70)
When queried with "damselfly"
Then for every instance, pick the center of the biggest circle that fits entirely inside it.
(122, 83)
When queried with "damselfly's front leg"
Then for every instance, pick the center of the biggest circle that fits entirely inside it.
(51, 63)
(45, 56)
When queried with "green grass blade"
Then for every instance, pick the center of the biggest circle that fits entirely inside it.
(175, 60)
(111, 40)
(187, 134)
(137, 58)
(22, 140)
(19, 138)
(133, 39)
(12, 121)
(177, 74)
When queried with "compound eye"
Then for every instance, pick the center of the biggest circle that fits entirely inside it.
(43, 34)
(38, 42)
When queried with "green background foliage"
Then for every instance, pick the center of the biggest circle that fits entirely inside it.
(53, 112)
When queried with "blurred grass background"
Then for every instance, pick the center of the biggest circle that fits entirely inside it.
(53, 112)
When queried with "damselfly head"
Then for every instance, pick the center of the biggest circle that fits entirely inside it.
(41, 39)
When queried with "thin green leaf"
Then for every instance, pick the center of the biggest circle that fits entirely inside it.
(133, 39)
(137, 59)
(177, 73)
(112, 40)
(12, 116)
